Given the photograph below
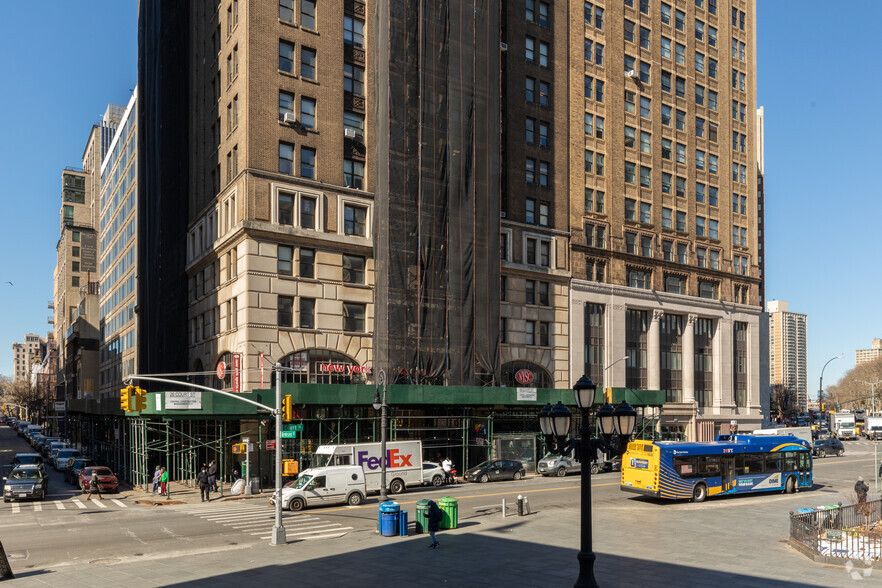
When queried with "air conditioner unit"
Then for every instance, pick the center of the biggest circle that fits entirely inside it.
(503, 46)
(502, 214)
(630, 73)
(289, 117)
(349, 133)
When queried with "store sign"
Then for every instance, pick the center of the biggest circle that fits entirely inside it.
(59, 407)
(183, 400)
(524, 377)
(527, 394)
(221, 370)
(237, 371)
(348, 369)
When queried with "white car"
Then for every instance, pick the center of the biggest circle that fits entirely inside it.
(433, 473)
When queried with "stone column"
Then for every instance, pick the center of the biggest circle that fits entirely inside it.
(689, 359)
(577, 338)
(653, 352)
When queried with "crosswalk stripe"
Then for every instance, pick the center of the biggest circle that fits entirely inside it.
(16, 508)
(79, 503)
(60, 505)
(119, 503)
(331, 536)
(38, 507)
(99, 503)
(243, 517)
(318, 531)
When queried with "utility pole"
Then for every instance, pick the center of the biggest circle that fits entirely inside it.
(278, 536)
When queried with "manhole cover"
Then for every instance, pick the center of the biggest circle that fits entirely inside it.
(106, 561)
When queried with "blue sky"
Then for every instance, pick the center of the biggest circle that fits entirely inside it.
(62, 62)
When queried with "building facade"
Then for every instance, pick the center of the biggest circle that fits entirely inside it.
(24, 355)
(868, 355)
(787, 350)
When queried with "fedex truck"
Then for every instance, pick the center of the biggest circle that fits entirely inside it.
(404, 462)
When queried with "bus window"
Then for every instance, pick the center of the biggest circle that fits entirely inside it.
(739, 465)
(773, 462)
(685, 466)
(804, 462)
(709, 465)
(790, 461)
(753, 463)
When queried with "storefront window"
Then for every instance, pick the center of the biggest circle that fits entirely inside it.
(321, 366)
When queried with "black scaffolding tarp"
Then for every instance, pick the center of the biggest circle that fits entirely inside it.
(438, 195)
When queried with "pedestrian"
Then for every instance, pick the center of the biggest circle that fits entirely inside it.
(156, 478)
(434, 517)
(861, 490)
(163, 480)
(94, 486)
(447, 466)
(880, 469)
(212, 476)
(202, 480)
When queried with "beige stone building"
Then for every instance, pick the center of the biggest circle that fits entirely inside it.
(868, 355)
(24, 355)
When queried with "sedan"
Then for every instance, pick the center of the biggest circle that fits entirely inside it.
(74, 468)
(27, 481)
(433, 473)
(829, 446)
(496, 469)
(107, 480)
(560, 465)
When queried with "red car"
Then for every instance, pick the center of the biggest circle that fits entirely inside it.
(107, 480)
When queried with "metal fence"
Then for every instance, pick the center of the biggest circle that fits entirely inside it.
(839, 533)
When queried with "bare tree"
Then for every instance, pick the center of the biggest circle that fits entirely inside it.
(783, 401)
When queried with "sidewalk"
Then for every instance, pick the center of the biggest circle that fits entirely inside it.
(180, 493)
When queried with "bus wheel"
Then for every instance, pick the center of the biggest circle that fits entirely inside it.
(699, 493)
(790, 485)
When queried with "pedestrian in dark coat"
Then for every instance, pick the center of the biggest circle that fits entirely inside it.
(94, 487)
(157, 476)
(434, 516)
(212, 476)
(202, 480)
(861, 490)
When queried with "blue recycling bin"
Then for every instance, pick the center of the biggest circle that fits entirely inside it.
(402, 523)
(389, 518)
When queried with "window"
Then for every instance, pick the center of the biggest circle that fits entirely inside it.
(353, 174)
(699, 30)
(679, 20)
(681, 222)
(666, 115)
(630, 101)
(645, 212)
(699, 95)
(712, 195)
(645, 177)
(675, 284)
(644, 72)
(630, 136)
(589, 125)
(543, 174)
(75, 266)
(354, 122)
(307, 14)
(531, 10)
(644, 38)
(713, 163)
(645, 110)
(307, 212)
(714, 259)
(680, 87)
(354, 220)
(286, 104)
(307, 63)
(353, 269)
(712, 100)
(713, 229)
(681, 252)
(530, 289)
(307, 313)
(530, 49)
(645, 142)
(543, 134)
(286, 57)
(668, 250)
(595, 236)
(712, 6)
(545, 93)
(307, 113)
(285, 314)
(631, 243)
(699, 159)
(286, 10)
(630, 173)
(286, 158)
(598, 168)
(598, 90)
(307, 263)
(543, 14)
(307, 162)
(681, 187)
(598, 54)
(666, 149)
(543, 294)
(630, 209)
(543, 54)
(666, 183)
(666, 47)
(285, 266)
(680, 53)
(699, 126)
(707, 289)
(598, 17)
(666, 81)
(530, 211)
(681, 153)
(665, 13)
(353, 32)
(286, 209)
(589, 161)
(589, 84)
(638, 279)
(699, 192)
(530, 333)
(353, 79)
(741, 51)
(700, 226)
(629, 30)
(531, 90)
(530, 171)
(353, 317)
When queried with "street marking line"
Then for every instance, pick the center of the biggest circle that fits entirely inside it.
(217, 519)
(119, 503)
(313, 532)
(334, 536)
(16, 508)
(60, 505)
(38, 507)
(99, 503)
(79, 503)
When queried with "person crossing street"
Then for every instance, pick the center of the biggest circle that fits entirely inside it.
(94, 487)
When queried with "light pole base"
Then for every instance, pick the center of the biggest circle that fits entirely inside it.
(279, 537)
(586, 571)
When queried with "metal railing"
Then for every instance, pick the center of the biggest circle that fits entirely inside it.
(840, 533)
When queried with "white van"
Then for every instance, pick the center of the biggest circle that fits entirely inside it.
(324, 486)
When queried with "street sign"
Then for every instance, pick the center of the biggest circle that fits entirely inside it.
(289, 434)
(271, 444)
(293, 427)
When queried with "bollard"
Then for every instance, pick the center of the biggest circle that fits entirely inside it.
(520, 505)
(503, 508)
(526, 505)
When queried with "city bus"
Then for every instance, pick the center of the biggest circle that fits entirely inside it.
(733, 464)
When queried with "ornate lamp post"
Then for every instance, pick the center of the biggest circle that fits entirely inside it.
(382, 407)
(554, 423)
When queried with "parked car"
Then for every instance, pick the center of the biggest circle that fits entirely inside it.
(553, 464)
(60, 460)
(612, 465)
(35, 439)
(21, 459)
(53, 449)
(26, 481)
(496, 469)
(107, 480)
(433, 473)
(49, 445)
(828, 446)
(21, 427)
(43, 446)
(74, 467)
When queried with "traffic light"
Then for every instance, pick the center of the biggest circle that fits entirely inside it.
(287, 408)
(140, 399)
(239, 448)
(126, 398)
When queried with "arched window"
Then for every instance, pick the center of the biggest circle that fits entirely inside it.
(321, 366)
(200, 378)
(541, 378)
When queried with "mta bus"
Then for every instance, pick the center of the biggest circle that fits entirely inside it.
(733, 464)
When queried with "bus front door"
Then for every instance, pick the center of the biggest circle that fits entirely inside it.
(728, 474)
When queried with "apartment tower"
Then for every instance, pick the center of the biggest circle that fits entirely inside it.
(787, 350)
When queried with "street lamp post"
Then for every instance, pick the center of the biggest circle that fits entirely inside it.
(610, 365)
(278, 536)
(821, 382)
(381, 406)
(555, 424)
(872, 386)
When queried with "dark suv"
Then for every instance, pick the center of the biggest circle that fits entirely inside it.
(829, 446)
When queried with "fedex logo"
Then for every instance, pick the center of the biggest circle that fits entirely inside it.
(394, 459)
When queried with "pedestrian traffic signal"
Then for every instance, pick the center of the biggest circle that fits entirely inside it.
(140, 399)
(127, 398)
(287, 408)
(240, 448)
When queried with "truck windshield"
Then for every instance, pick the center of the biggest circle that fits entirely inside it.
(302, 481)
(320, 460)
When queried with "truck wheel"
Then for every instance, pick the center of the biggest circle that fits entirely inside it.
(354, 499)
(396, 487)
(296, 504)
(437, 480)
(561, 472)
(699, 493)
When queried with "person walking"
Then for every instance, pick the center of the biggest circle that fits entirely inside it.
(94, 486)
(157, 474)
(434, 517)
(447, 466)
(204, 487)
(861, 490)
(212, 476)
(163, 480)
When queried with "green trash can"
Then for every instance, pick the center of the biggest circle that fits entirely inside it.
(422, 516)
(449, 511)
